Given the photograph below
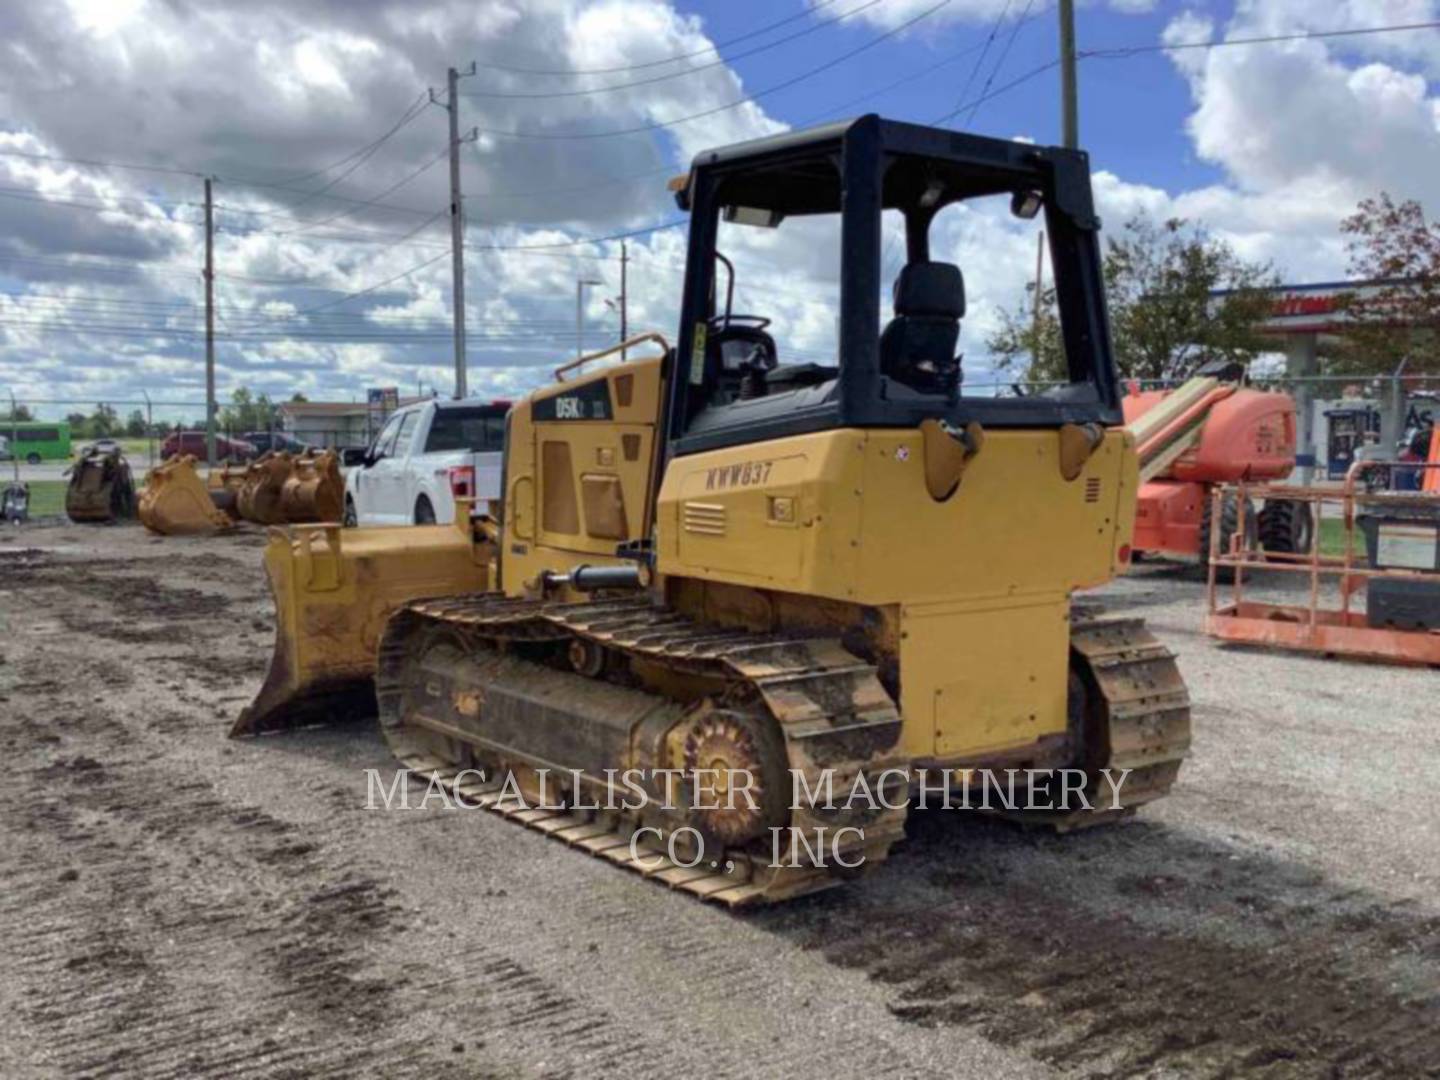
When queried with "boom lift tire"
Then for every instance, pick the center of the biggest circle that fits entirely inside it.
(1229, 524)
(1287, 526)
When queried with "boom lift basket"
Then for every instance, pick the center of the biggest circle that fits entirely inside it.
(1387, 578)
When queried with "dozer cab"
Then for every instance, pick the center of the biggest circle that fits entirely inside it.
(740, 567)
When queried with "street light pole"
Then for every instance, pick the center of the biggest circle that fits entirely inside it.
(580, 314)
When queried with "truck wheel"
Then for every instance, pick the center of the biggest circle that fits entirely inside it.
(350, 519)
(424, 512)
(1229, 523)
(32, 459)
(1287, 526)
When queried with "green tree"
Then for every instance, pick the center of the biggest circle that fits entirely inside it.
(79, 424)
(298, 398)
(1161, 281)
(1393, 244)
(1027, 344)
(1160, 284)
(104, 422)
(135, 424)
(247, 412)
(19, 414)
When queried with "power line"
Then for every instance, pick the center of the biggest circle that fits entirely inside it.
(1000, 61)
(100, 208)
(749, 98)
(413, 110)
(1034, 72)
(721, 62)
(99, 164)
(716, 47)
(578, 241)
(390, 280)
(985, 50)
(1122, 51)
(366, 153)
(369, 202)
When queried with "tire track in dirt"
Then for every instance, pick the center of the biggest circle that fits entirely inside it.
(186, 934)
(1227, 965)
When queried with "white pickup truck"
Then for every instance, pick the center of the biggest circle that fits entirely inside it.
(424, 456)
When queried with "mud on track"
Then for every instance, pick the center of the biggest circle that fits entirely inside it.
(180, 905)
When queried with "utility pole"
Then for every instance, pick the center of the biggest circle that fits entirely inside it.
(457, 225)
(580, 284)
(1039, 289)
(1068, 103)
(209, 326)
(624, 296)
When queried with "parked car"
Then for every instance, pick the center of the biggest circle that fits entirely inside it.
(99, 446)
(425, 455)
(193, 443)
(266, 441)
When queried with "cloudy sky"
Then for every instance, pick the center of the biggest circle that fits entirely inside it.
(332, 245)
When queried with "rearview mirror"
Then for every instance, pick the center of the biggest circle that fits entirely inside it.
(354, 456)
(1025, 204)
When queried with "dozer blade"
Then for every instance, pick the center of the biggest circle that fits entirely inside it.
(176, 503)
(333, 590)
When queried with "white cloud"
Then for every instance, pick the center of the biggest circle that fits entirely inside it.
(1298, 131)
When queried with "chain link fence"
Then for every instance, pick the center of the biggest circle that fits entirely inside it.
(45, 432)
(1337, 416)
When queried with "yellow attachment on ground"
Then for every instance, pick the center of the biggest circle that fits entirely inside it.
(333, 590)
(315, 490)
(259, 495)
(176, 502)
(224, 486)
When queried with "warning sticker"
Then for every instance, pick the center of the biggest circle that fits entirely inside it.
(1410, 546)
(697, 356)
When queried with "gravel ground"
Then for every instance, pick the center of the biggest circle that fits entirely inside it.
(177, 904)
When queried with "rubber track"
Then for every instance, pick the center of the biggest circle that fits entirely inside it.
(801, 680)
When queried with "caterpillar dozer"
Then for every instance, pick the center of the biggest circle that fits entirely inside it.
(711, 561)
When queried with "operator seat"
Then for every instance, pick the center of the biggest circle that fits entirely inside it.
(917, 347)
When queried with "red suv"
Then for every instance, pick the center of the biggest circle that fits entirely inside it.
(193, 443)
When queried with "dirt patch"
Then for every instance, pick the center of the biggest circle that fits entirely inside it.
(1225, 965)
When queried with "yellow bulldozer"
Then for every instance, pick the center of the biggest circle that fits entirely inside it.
(715, 573)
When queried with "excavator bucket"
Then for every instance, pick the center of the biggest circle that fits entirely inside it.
(176, 503)
(261, 490)
(315, 490)
(101, 489)
(224, 486)
(333, 590)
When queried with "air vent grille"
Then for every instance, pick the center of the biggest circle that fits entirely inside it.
(1092, 489)
(705, 519)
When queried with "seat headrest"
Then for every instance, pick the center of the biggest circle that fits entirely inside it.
(932, 289)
